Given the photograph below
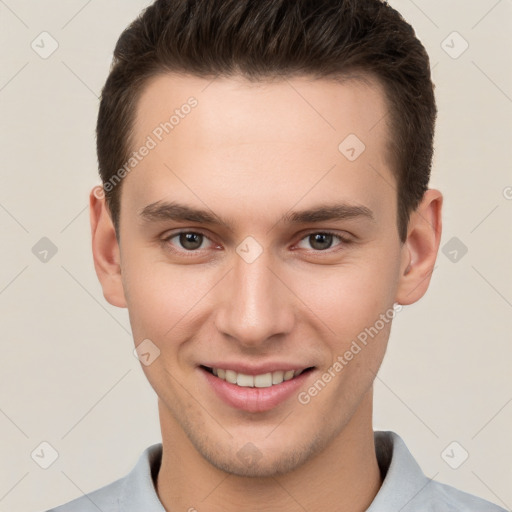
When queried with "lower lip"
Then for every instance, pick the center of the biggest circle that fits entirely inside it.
(255, 399)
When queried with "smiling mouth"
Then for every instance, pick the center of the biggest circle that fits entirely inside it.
(264, 380)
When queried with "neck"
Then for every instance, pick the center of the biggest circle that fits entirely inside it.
(344, 476)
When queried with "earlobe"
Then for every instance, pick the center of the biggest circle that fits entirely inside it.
(420, 249)
(105, 249)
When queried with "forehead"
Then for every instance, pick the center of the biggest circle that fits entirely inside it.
(304, 107)
(229, 137)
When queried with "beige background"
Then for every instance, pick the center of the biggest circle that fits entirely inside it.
(68, 375)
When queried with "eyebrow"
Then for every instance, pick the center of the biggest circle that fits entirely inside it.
(165, 211)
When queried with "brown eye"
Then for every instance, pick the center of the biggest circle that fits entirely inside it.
(187, 241)
(321, 241)
(191, 241)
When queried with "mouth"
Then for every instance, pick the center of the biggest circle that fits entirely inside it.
(262, 380)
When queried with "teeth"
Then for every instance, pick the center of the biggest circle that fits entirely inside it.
(264, 380)
(231, 376)
(245, 381)
(288, 375)
(277, 377)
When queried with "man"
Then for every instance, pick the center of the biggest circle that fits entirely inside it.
(264, 215)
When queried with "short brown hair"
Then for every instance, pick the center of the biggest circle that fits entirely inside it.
(263, 39)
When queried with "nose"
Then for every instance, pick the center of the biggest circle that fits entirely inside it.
(256, 307)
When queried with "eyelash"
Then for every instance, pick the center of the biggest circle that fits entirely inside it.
(195, 252)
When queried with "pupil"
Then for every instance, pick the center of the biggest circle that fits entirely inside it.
(321, 241)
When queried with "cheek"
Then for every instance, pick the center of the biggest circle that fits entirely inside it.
(160, 296)
(165, 300)
(349, 298)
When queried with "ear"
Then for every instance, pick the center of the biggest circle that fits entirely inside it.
(419, 251)
(105, 249)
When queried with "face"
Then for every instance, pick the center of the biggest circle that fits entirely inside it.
(256, 248)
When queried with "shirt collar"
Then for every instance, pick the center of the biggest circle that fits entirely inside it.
(403, 479)
(139, 492)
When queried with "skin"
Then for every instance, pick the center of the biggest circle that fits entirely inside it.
(250, 153)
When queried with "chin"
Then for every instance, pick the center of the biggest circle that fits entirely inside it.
(267, 461)
(257, 464)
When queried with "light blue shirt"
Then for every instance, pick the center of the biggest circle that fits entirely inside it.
(405, 488)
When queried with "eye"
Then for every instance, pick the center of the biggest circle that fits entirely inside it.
(193, 241)
(188, 240)
(322, 241)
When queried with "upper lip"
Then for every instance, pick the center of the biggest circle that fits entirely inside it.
(252, 369)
